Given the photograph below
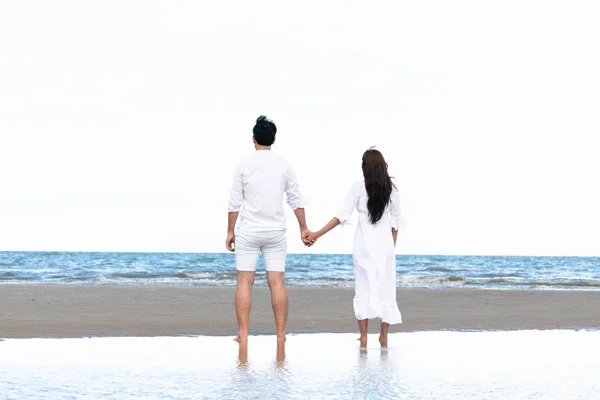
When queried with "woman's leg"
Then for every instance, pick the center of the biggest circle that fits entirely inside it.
(383, 336)
(363, 326)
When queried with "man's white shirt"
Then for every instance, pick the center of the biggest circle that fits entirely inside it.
(259, 184)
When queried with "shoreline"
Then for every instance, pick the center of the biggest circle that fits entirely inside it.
(70, 311)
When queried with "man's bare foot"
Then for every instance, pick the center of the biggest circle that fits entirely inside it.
(383, 341)
(363, 341)
(240, 338)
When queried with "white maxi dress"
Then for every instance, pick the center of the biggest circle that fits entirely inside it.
(374, 257)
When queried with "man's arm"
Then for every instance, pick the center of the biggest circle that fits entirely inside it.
(235, 203)
(231, 220)
(301, 217)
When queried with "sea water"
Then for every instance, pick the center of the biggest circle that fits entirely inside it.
(420, 365)
(302, 270)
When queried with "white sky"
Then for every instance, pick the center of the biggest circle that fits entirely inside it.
(121, 121)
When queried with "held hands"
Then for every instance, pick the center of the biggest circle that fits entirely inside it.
(304, 232)
(312, 237)
(308, 238)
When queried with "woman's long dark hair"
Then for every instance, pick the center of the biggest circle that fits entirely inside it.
(378, 183)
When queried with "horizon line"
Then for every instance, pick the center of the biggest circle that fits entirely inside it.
(296, 254)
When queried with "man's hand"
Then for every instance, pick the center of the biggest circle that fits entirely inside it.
(231, 218)
(230, 242)
(304, 234)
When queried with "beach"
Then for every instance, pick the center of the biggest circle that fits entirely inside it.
(71, 311)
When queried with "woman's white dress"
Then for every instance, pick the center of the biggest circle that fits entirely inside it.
(374, 257)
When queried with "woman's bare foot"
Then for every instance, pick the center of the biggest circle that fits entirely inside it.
(383, 341)
(383, 335)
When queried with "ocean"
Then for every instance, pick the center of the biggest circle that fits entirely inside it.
(484, 272)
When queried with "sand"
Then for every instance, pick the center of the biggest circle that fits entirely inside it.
(48, 311)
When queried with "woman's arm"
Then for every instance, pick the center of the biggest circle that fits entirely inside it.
(342, 216)
(313, 236)
(396, 216)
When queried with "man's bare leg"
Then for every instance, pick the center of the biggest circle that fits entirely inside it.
(383, 336)
(243, 302)
(363, 326)
(279, 300)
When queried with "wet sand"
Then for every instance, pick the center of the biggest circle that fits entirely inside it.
(43, 311)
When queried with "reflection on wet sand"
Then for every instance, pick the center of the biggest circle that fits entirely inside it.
(423, 365)
(243, 354)
(280, 358)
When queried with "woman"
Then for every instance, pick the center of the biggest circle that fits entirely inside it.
(377, 201)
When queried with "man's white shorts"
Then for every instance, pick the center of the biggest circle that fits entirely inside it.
(272, 245)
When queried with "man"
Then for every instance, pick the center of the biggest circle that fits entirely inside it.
(257, 194)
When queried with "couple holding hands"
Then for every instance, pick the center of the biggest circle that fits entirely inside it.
(257, 196)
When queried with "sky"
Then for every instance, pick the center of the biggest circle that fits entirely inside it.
(121, 121)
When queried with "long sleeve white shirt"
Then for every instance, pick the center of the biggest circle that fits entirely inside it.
(257, 192)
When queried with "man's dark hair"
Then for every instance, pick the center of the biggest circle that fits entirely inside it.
(264, 131)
